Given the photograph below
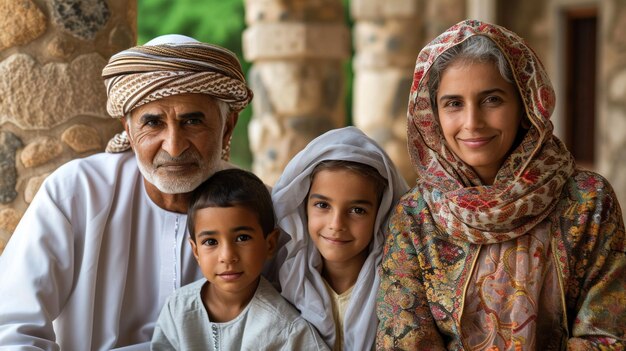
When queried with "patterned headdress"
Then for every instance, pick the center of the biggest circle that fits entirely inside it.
(171, 65)
(528, 183)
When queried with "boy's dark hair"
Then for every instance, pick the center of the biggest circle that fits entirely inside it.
(233, 187)
(367, 171)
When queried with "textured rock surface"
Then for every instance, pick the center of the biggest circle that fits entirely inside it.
(82, 138)
(25, 23)
(82, 19)
(60, 47)
(33, 185)
(52, 98)
(9, 143)
(8, 219)
(40, 151)
(63, 91)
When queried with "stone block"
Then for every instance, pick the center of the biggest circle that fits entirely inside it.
(272, 149)
(82, 138)
(32, 186)
(20, 23)
(40, 151)
(379, 96)
(295, 88)
(9, 143)
(389, 43)
(83, 19)
(60, 47)
(36, 97)
(294, 11)
(272, 41)
(377, 9)
(9, 219)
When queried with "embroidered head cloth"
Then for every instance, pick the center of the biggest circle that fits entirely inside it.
(528, 183)
(170, 65)
(300, 277)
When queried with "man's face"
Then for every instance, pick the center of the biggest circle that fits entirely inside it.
(178, 140)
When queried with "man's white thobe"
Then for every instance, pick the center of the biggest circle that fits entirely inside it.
(92, 261)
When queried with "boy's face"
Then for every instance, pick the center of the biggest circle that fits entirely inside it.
(341, 209)
(231, 249)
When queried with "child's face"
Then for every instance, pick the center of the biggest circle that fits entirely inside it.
(230, 248)
(341, 209)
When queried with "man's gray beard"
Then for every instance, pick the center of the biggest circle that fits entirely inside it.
(173, 184)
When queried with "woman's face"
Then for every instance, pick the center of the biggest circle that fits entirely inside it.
(479, 114)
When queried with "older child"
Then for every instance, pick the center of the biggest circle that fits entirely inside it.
(232, 234)
(333, 200)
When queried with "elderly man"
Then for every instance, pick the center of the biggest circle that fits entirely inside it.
(103, 243)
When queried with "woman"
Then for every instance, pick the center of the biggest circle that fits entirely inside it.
(503, 243)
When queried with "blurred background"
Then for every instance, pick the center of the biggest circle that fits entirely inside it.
(313, 65)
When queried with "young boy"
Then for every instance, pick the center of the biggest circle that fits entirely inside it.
(333, 200)
(232, 234)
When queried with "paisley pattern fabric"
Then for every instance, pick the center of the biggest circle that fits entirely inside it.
(534, 261)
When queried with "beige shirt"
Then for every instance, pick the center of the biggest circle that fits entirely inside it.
(340, 304)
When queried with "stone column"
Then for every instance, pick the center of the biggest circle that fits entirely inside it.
(482, 10)
(440, 15)
(387, 39)
(296, 48)
(611, 124)
(52, 97)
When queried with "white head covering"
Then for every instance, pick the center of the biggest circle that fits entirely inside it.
(299, 275)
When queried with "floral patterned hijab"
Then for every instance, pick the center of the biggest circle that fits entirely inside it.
(528, 184)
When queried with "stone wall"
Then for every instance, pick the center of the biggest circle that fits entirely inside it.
(52, 96)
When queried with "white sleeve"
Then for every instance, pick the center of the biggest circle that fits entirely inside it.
(36, 272)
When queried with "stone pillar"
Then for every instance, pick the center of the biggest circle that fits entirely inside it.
(52, 97)
(387, 38)
(296, 48)
(482, 10)
(440, 15)
(611, 124)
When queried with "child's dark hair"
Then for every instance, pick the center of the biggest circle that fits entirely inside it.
(233, 187)
(367, 171)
